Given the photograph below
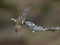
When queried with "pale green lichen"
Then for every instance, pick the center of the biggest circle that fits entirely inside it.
(35, 28)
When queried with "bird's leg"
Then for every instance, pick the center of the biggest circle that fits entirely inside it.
(17, 28)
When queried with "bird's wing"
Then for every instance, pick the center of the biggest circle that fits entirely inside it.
(24, 13)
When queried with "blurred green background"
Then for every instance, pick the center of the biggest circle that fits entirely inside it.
(44, 12)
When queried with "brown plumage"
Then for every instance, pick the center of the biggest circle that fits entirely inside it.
(21, 19)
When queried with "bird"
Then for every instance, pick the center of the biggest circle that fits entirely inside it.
(21, 19)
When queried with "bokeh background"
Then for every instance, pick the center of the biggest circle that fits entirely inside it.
(45, 13)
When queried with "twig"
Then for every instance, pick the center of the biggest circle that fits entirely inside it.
(35, 28)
